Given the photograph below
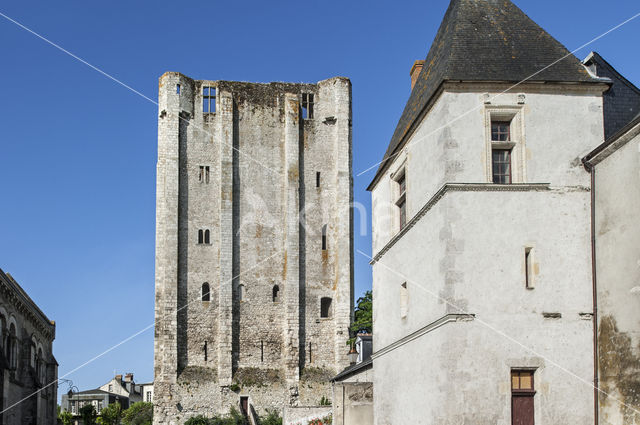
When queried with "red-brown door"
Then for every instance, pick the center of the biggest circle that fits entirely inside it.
(522, 409)
(244, 405)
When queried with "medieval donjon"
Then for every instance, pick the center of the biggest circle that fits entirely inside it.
(253, 244)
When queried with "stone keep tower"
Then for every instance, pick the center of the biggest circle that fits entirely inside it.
(254, 258)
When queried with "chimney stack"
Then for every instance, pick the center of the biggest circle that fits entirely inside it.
(128, 377)
(119, 378)
(415, 71)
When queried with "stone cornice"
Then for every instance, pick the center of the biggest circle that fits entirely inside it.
(447, 318)
(457, 187)
(15, 296)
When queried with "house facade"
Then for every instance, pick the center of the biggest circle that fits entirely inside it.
(253, 244)
(27, 364)
(483, 278)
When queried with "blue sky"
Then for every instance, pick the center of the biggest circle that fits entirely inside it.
(78, 151)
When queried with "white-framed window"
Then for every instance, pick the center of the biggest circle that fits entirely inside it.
(148, 396)
(505, 145)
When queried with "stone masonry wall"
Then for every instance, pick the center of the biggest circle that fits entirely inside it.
(248, 175)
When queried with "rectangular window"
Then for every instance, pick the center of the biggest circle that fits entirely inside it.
(500, 131)
(307, 106)
(401, 202)
(177, 88)
(522, 397)
(148, 396)
(208, 99)
(501, 165)
(317, 178)
(203, 175)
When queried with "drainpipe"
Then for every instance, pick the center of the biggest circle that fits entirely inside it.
(596, 384)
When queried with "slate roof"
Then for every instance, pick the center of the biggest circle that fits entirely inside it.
(485, 40)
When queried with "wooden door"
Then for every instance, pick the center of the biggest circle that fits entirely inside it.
(522, 409)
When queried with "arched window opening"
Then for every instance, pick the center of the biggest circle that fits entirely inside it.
(206, 236)
(324, 237)
(40, 366)
(241, 293)
(206, 295)
(276, 293)
(12, 347)
(200, 236)
(325, 307)
(3, 332)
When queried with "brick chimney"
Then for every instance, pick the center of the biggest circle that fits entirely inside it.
(119, 378)
(128, 377)
(415, 71)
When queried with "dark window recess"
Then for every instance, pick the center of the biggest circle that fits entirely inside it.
(206, 295)
(205, 351)
(522, 397)
(276, 293)
(317, 178)
(206, 236)
(208, 99)
(310, 354)
(527, 268)
(324, 237)
(307, 105)
(177, 88)
(203, 175)
(500, 131)
(325, 307)
(262, 351)
(200, 236)
(401, 203)
(501, 165)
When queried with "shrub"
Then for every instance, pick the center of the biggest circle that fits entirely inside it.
(140, 413)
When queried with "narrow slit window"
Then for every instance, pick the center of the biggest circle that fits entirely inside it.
(401, 202)
(206, 174)
(200, 236)
(275, 294)
(201, 174)
(325, 307)
(208, 99)
(528, 268)
(404, 300)
(207, 239)
(206, 294)
(241, 293)
(205, 351)
(324, 237)
(307, 106)
(317, 178)
(177, 88)
(262, 351)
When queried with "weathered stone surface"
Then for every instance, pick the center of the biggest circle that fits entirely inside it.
(247, 174)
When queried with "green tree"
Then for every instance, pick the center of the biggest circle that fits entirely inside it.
(363, 314)
(140, 413)
(272, 418)
(110, 415)
(88, 414)
(65, 417)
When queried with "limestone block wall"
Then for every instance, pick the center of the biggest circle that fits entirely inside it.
(260, 182)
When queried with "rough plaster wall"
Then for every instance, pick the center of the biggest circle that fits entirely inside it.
(437, 153)
(353, 403)
(618, 279)
(257, 241)
(468, 250)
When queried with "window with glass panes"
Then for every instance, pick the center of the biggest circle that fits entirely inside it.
(501, 165)
(402, 200)
(208, 99)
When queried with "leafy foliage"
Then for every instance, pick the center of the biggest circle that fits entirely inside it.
(88, 414)
(140, 413)
(65, 417)
(324, 401)
(110, 415)
(272, 418)
(363, 316)
(235, 418)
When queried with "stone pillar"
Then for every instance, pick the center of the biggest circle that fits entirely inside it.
(291, 243)
(343, 227)
(225, 299)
